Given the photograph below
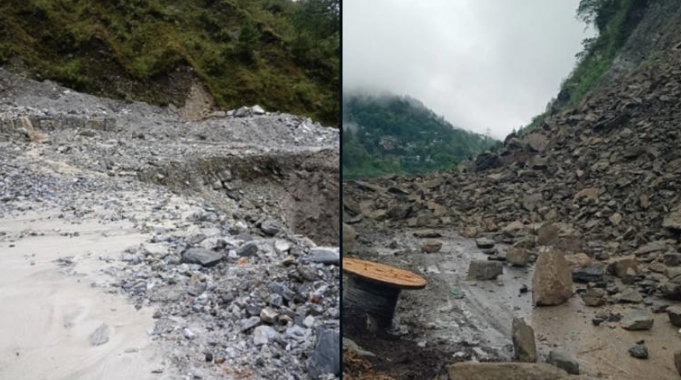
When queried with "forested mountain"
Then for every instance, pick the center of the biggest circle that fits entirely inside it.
(281, 54)
(398, 134)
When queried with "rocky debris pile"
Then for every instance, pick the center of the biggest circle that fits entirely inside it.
(597, 185)
(240, 258)
(244, 298)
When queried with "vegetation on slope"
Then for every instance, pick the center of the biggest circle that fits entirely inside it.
(614, 20)
(392, 134)
(280, 54)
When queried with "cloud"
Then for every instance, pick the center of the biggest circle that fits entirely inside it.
(479, 63)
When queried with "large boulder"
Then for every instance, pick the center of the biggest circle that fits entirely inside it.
(552, 280)
(506, 371)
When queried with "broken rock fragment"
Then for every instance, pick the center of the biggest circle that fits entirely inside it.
(484, 270)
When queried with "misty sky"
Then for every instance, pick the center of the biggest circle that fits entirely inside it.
(479, 63)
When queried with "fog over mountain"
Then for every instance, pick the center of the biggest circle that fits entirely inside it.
(482, 64)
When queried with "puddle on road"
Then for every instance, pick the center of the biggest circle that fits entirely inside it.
(48, 316)
(483, 315)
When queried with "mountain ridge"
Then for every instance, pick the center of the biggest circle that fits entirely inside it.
(391, 134)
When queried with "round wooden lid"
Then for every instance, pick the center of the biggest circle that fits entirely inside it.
(383, 273)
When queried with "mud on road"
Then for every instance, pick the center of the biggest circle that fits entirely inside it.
(454, 319)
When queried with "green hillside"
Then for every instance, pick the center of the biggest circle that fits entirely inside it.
(392, 134)
(280, 54)
(614, 20)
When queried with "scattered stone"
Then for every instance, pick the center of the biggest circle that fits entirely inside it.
(431, 246)
(270, 227)
(325, 255)
(594, 297)
(484, 270)
(100, 336)
(427, 234)
(201, 256)
(249, 323)
(326, 356)
(563, 361)
(637, 319)
(257, 110)
(268, 315)
(249, 249)
(639, 351)
(592, 273)
(674, 313)
(484, 243)
(265, 334)
(524, 345)
(518, 256)
(630, 295)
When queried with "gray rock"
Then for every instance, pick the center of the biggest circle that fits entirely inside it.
(484, 243)
(265, 334)
(296, 332)
(325, 255)
(592, 273)
(518, 256)
(431, 246)
(484, 270)
(674, 313)
(326, 356)
(242, 112)
(249, 323)
(257, 110)
(268, 315)
(630, 295)
(100, 336)
(563, 361)
(637, 319)
(427, 234)
(201, 256)
(270, 227)
(594, 297)
(249, 249)
(524, 345)
(639, 351)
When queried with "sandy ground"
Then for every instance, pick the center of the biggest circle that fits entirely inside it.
(49, 310)
(482, 316)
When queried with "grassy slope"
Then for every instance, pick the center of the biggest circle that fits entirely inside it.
(87, 44)
(620, 19)
(415, 131)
